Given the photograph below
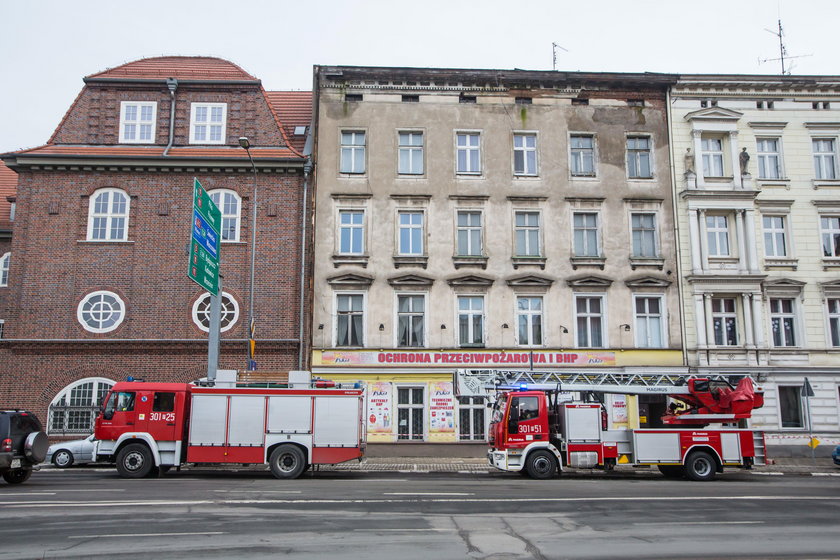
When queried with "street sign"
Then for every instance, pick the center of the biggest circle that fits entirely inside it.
(807, 390)
(813, 443)
(203, 267)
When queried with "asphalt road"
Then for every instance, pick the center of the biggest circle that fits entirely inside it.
(92, 513)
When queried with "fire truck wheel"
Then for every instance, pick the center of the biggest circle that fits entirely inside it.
(134, 461)
(287, 461)
(700, 466)
(672, 471)
(541, 464)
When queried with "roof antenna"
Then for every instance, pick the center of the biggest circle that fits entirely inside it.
(782, 51)
(554, 47)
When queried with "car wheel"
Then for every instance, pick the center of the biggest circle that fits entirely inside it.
(62, 458)
(17, 476)
(134, 461)
(541, 464)
(287, 461)
(700, 466)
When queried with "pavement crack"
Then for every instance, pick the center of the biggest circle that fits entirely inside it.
(530, 547)
(465, 536)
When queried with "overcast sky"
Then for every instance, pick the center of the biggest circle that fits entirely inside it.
(49, 46)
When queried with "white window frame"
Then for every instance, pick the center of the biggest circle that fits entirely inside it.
(2, 327)
(62, 403)
(467, 147)
(469, 230)
(412, 313)
(528, 154)
(195, 123)
(138, 122)
(725, 316)
(825, 161)
(204, 301)
(769, 160)
(577, 156)
(414, 152)
(804, 420)
(646, 317)
(81, 311)
(527, 231)
(354, 230)
(471, 314)
(221, 198)
(831, 235)
(832, 310)
(528, 315)
(351, 313)
(411, 251)
(713, 157)
(644, 231)
(110, 216)
(588, 316)
(5, 262)
(348, 152)
(636, 155)
(718, 233)
(778, 317)
(411, 407)
(774, 247)
(470, 405)
(585, 230)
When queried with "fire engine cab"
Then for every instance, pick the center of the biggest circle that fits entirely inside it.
(537, 427)
(147, 428)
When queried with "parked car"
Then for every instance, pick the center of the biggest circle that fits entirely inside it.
(68, 453)
(23, 444)
(836, 455)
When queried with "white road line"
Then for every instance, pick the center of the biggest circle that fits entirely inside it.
(428, 493)
(130, 535)
(30, 494)
(404, 530)
(96, 490)
(259, 491)
(703, 523)
(824, 474)
(772, 473)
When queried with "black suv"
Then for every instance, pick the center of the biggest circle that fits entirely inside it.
(23, 444)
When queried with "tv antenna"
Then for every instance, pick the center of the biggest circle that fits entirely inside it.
(782, 51)
(554, 47)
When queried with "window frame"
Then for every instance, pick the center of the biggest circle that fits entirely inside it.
(97, 395)
(781, 317)
(832, 321)
(661, 316)
(525, 151)
(654, 232)
(473, 406)
(527, 232)
(138, 122)
(635, 154)
(354, 229)
(764, 157)
(471, 314)
(602, 315)
(576, 156)
(412, 407)
(337, 314)
(468, 149)
(715, 231)
(725, 316)
(411, 227)
(529, 315)
(194, 123)
(352, 149)
(774, 233)
(221, 205)
(412, 150)
(80, 311)
(709, 156)
(409, 314)
(469, 230)
(205, 297)
(832, 233)
(819, 158)
(586, 229)
(109, 215)
(803, 419)
(5, 265)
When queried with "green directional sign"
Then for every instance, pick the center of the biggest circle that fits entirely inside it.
(203, 267)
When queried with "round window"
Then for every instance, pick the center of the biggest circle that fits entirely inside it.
(201, 312)
(101, 312)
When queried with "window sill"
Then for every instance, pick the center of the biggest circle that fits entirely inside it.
(467, 261)
(826, 183)
(469, 176)
(787, 264)
(411, 176)
(419, 261)
(526, 176)
(641, 179)
(352, 175)
(592, 177)
(358, 260)
(588, 261)
(528, 261)
(773, 183)
(105, 241)
(652, 262)
(831, 264)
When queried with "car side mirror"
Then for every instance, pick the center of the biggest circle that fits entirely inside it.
(108, 414)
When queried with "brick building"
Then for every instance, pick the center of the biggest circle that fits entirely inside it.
(98, 288)
(8, 186)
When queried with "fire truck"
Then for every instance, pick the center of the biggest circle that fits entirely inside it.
(148, 428)
(539, 428)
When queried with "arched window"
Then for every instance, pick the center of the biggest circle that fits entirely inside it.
(73, 410)
(201, 312)
(108, 215)
(230, 205)
(101, 311)
(4, 269)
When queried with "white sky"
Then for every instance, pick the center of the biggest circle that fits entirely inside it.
(49, 45)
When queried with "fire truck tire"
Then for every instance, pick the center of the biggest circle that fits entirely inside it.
(700, 466)
(134, 461)
(541, 464)
(287, 461)
(672, 471)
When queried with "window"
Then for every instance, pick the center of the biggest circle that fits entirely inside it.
(527, 234)
(411, 311)
(410, 413)
(644, 235)
(638, 157)
(782, 322)
(201, 312)
(468, 161)
(101, 312)
(585, 234)
(163, 402)
(352, 152)
(649, 323)
(717, 234)
(525, 154)
(830, 232)
(523, 100)
(5, 261)
(769, 158)
(825, 165)
(590, 316)
(411, 233)
(108, 215)
(74, 409)
(529, 321)
(351, 232)
(790, 406)
(467, 98)
(137, 122)
(411, 153)
(353, 97)
(469, 233)
(471, 418)
(834, 321)
(774, 236)
(471, 320)
(411, 99)
(2, 326)
(207, 123)
(582, 161)
(712, 149)
(724, 321)
(349, 320)
(229, 203)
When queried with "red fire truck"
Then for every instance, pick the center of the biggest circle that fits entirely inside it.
(538, 429)
(147, 428)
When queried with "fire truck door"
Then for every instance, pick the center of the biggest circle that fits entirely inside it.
(161, 420)
(525, 423)
(119, 415)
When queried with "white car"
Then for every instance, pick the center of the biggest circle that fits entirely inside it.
(69, 453)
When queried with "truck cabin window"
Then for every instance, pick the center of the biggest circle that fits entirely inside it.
(118, 402)
(521, 410)
(164, 402)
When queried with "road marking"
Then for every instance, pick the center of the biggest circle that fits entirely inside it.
(130, 535)
(30, 494)
(772, 473)
(259, 491)
(96, 490)
(429, 493)
(824, 474)
(703, 523)
(404, 530)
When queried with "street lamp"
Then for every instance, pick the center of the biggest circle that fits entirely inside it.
(243, 141)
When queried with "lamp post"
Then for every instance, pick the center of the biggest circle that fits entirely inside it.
(243, 141)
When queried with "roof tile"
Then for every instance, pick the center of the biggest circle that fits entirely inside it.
(182, 67)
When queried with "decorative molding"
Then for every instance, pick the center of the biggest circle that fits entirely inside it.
(470, 280)
(589, 282)
(530, 281)
(647, 282)
(349, 280)
(410, 281)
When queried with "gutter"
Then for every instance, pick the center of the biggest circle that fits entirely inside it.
(172, 84)
(674, 210)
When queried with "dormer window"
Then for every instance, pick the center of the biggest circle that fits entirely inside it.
(137, 122)
(208, 123)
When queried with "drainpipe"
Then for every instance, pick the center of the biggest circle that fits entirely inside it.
(307, 170)
(172, 84)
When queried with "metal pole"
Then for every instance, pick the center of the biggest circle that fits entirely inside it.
(214, 335)
(251, 321)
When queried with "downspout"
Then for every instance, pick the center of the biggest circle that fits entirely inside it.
(172, 84)
(307, 170)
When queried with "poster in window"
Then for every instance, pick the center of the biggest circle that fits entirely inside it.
(618, 408)
(380, 408)
(441, 408)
